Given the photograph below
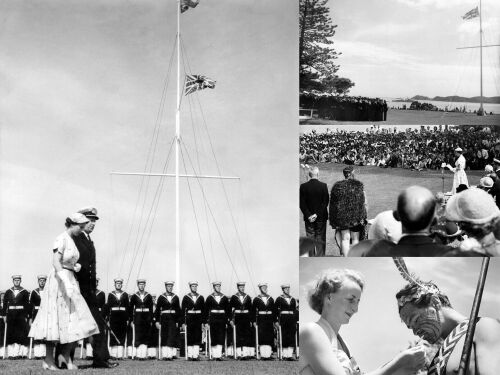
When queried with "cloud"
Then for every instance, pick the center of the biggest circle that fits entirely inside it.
(438, 4)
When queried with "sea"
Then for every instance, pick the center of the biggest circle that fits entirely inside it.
(494, 108)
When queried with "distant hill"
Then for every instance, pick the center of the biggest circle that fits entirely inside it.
(458, 99)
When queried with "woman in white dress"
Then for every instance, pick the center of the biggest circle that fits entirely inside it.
(459, 177)
(64, 316)
(335, 297)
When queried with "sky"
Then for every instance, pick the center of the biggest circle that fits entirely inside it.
(375, 334)
(81, 89)
(402, 48)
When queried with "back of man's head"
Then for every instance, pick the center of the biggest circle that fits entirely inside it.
(314, 172)
(416, 208)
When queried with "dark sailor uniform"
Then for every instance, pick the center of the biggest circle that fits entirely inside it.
(216, 314)
(141, 313)
(118, 316)
(264, 312)
(100, 303)
(35, 299)
(286, 317)
(2, 326)
(16, 308)
(168, 314)
(153, 334)
(240, 307)
(193, 308)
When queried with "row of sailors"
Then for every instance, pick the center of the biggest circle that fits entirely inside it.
(239, 326)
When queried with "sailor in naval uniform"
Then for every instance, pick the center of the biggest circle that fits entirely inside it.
(240, 309)
(2, 323)
(118, 314)
(153, 334)
(167, 317)
(141, 316)
(100, 300)
(264, 315)
(16, 308)
(216, 315)
(35, 299)
(193, 306)
(286, 306)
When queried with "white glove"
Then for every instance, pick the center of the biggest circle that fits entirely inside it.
(65, 281)
(77, 267)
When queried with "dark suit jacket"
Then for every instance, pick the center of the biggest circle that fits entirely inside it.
(495, 191)
(87, 275)
(314, 199)
(415, 246)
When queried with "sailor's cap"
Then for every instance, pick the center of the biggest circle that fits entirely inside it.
(40, 277)
(241, 283)
(141, 281)
(214, 283)
(118, 280)
(193, 283)
(90, 212)
(169, 283)
(283, 286)
(458, 149)
(14, 277)
(261, 284)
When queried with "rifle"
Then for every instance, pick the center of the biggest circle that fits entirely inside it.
(257, 354)
(30, 348)
(125, 343)
(209, 343)
(133, 340)
(5, 339)
(185, 335)
(469, 336)
(297, 341)
(280, 343)
(234, 335)
(159, 341)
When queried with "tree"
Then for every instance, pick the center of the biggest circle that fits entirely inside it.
(316, 53)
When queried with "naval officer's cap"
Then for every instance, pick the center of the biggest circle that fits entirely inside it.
(89, 212)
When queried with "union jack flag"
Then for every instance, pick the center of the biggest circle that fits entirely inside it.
(186, 4)
(471, 14)
(196, 82)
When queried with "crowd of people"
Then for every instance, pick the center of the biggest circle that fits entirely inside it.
(345, 108)
(424, 148)
(464, 222)
(143, 326)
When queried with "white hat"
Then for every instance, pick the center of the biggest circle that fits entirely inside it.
(458, 149)
(118, 280)
(193, 283)
(214, 283)
(141, 281)
(16, 277)
(169, 283)
(283, 286)
(78, 218)
(39, 277)
(488, 168)
(262, 284)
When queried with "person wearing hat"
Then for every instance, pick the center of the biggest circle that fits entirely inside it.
(285, 315)
(61, 300)
(347, 210)
(477, 215)
(216, 315)
(117, 316)
(153, 334)
(167, 316)
(240, 307)
(100, 302)
(459, 177)
(495, 190)
(264, 318)
(486, 183)
(87, 278)
(17, 314)
(38, 346)
(193, 308)
(313, 204)
(2, 323)
(141, 316)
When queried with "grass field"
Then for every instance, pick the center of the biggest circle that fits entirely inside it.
(382, 186)
(180, 366)
(402, 117)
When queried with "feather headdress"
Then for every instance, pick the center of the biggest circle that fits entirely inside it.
(422, 287)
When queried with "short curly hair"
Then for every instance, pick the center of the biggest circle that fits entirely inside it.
(329, 282)
(425, 299)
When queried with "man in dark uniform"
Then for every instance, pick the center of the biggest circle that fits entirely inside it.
(88, 286)
(38, 346)
(153, 334)
(100, 298)
(263, 311)
(217, 309)
(118, 314)
(495, 190)
(167, 317)
(240, 306)
(193, 308)
(2, 324)
(16, 308)
(141, 316)
(285, 315)
(313, 204)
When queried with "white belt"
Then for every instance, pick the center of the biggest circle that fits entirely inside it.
(241, 311)
(16, 307)
(118, 308)
(217, 311)
(168, 312)
(287, 312)
(37, 307)
(194, 311)
(265, 312)
(143, 309)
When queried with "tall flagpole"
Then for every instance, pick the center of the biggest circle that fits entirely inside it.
(177, 144)
(481, 110)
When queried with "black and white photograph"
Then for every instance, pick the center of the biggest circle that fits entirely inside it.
(148, 186)
(399, 316)
(422, 62)
(407, 190)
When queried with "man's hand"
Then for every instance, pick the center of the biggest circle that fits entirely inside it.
(77, 267)
(312, 218)
(158, 325)
(232, 323)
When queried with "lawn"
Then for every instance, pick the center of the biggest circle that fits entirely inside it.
(382, 186)
(179, 366)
